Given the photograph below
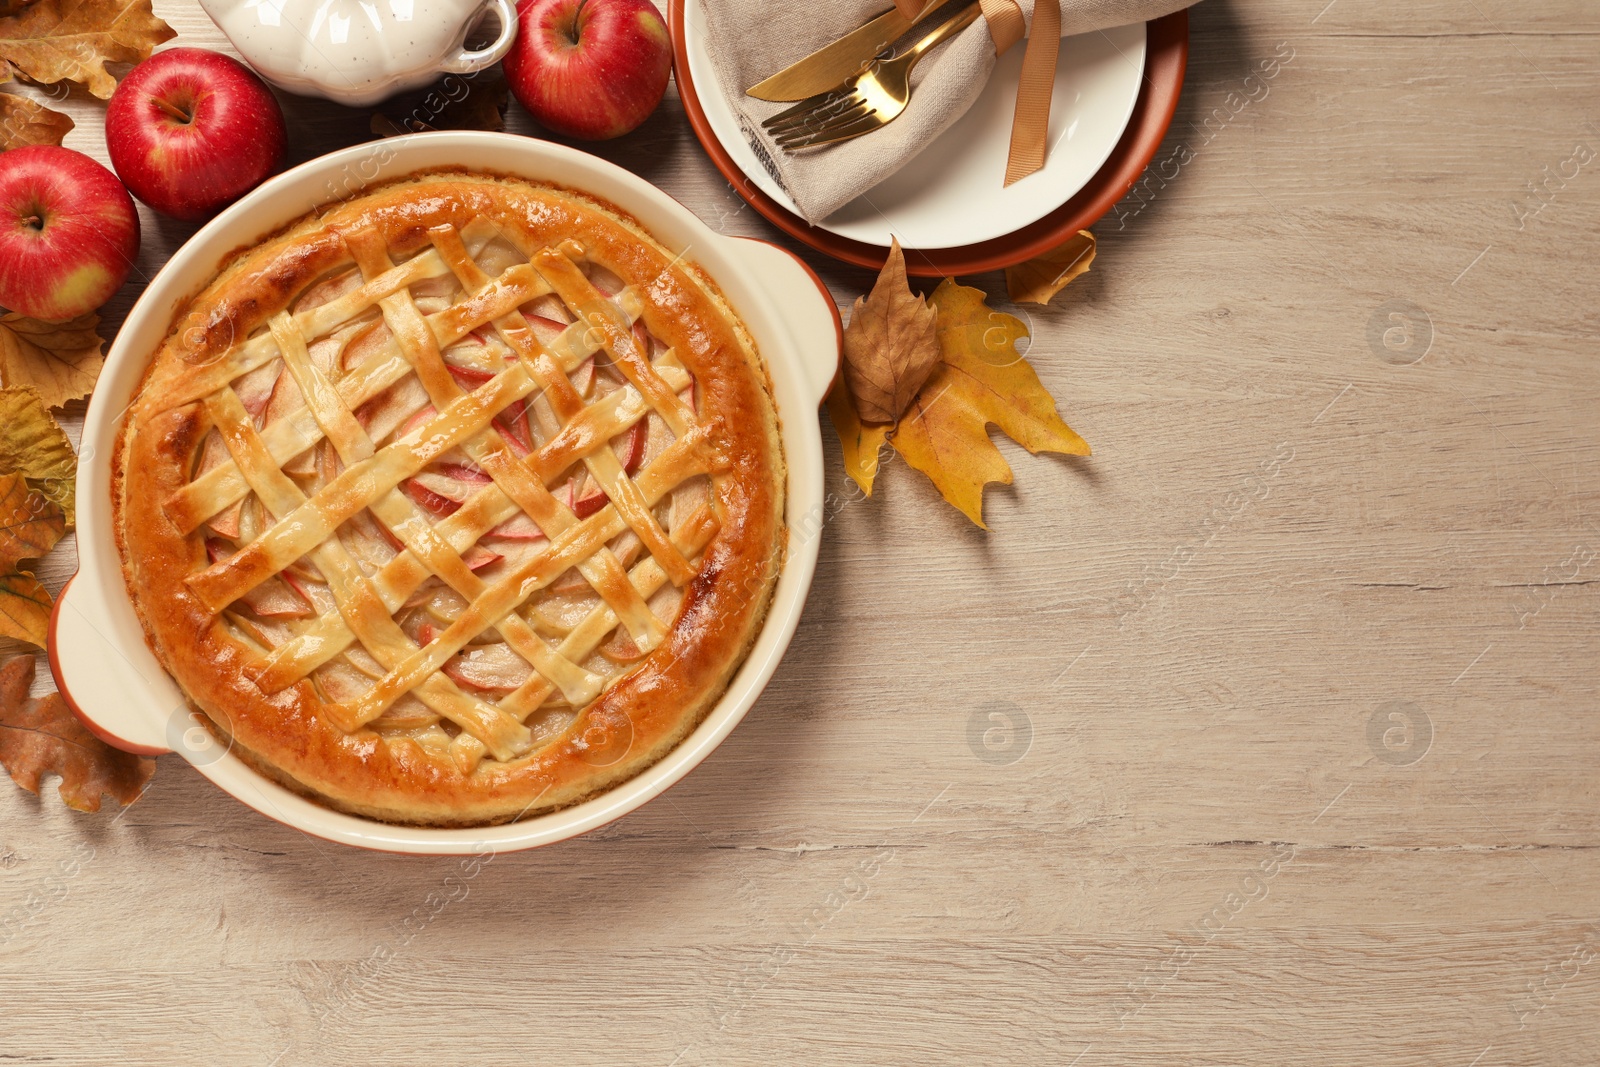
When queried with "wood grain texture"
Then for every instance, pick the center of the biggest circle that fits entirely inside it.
(1264, 736)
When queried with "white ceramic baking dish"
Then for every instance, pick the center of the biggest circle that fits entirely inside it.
(98, 653)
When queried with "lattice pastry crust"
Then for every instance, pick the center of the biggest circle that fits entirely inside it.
(454, 503)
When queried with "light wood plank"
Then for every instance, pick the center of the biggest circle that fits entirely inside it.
(1203, 853)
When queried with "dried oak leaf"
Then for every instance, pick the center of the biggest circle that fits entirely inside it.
(60, 360)
(33, 445)
(1042, 277)
(859, 441)
(481, 107)
(982, 380)
(73, 40)
(23, 122)
(889, 346)
(40, 737)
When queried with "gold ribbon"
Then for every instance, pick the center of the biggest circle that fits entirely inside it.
(1030, 124)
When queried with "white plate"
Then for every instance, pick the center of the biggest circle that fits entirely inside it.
(953, 193)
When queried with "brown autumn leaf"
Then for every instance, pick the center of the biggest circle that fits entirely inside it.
(42, 736)
(59, 360)
(24, 122)
(384, 126)
(30, 525)
(481, 106)
(860, 442)
(981, 380)
(73, 40)
(33, 445)
(1041, 278)
(889, 346)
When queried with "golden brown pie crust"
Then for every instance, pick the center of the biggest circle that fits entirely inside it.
(293, 734)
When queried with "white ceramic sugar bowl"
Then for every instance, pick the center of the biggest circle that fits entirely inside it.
(358, 52)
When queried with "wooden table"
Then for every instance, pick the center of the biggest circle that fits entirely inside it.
(1268, 735)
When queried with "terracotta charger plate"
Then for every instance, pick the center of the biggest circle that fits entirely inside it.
(1165, 61)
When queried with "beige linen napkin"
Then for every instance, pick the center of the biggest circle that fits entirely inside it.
(751, 39)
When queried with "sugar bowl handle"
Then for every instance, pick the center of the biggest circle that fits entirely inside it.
(469, 61)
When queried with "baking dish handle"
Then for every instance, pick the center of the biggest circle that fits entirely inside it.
(92, 672)
(806, 307)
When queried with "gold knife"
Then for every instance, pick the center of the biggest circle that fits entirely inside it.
(832, 64)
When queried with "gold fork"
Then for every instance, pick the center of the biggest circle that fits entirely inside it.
(869, 101)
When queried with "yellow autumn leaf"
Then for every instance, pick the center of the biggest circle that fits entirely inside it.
(24, 122)
(30, 525)
(33, 445)
(58, 360)
(1041, 278)
(860, 442)
(24, 608)
(982, 380)
(73, 40)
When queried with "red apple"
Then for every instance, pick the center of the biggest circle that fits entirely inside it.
(191, 131)
(591, 69)
(69, 232)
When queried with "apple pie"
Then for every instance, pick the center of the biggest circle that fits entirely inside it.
(454, 503)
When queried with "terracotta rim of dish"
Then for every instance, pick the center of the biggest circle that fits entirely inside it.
(1166, 59)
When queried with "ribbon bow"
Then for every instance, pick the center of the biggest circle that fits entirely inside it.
(1030, 124)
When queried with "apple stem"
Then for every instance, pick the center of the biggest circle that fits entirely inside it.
(34, 221)
(173, 111)
(575, 28)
